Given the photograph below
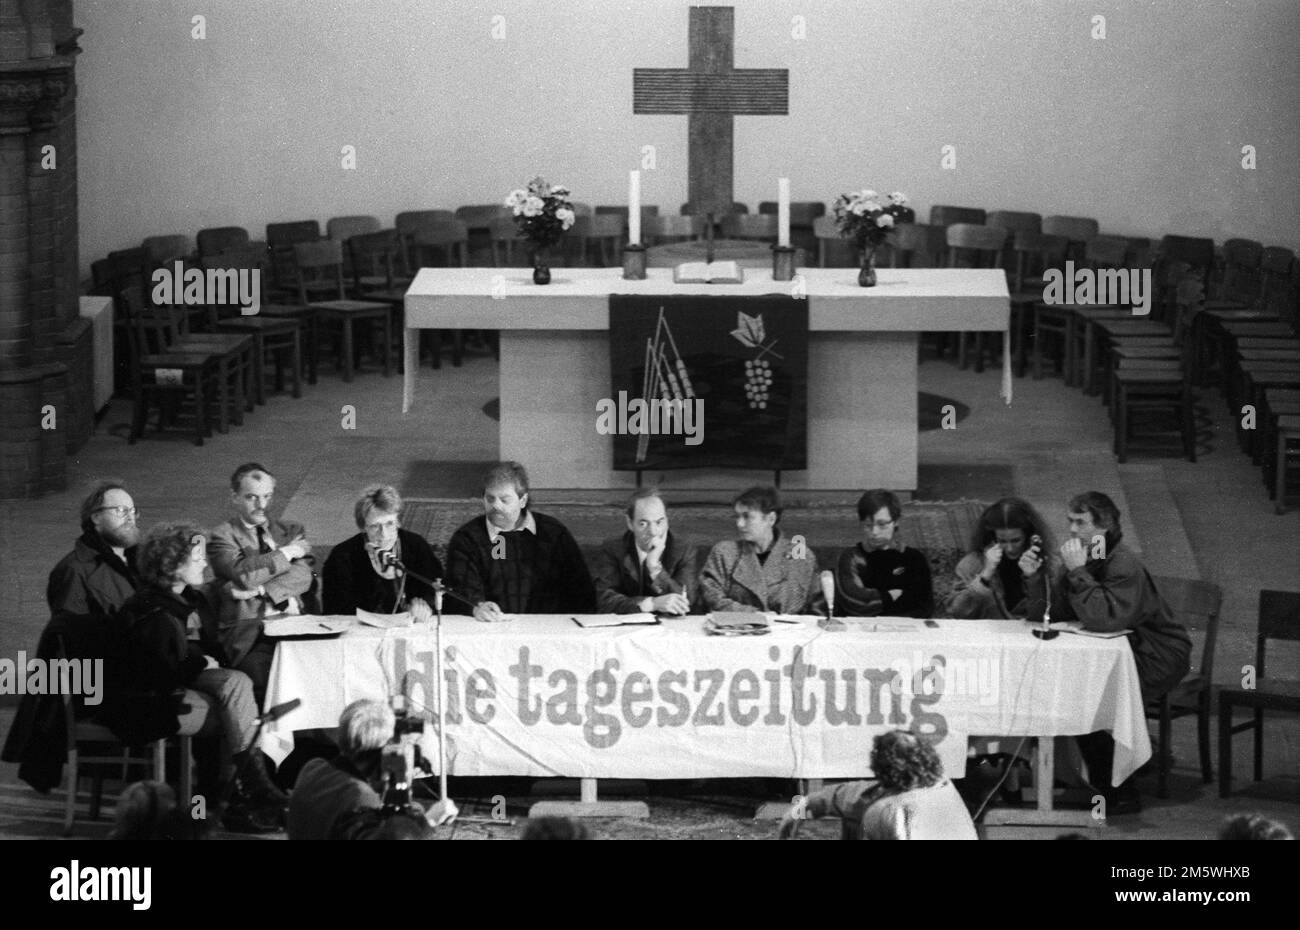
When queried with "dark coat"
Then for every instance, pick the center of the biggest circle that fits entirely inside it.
(86, 589)
(351, 583)
(621, 584)
(540, 574)
(157, 662)
(1117, 593)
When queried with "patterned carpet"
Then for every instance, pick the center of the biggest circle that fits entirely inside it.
(941, 529)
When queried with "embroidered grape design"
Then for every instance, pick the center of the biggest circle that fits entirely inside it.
(758, 383)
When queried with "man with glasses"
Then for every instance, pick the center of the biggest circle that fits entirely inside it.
(266, 565)
(367, 572)
(86, 590)
(881, 576)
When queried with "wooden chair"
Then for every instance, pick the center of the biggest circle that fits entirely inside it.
(1077, 229)
(344, 228)
(832, 249)
(320, 274)
(1211, 330)
(761, 227)
(1241, 279)
(1286, 433)
(662, 229)
(1034, 253)
(1089, 325)
(1151, 385)
(647, 211)
(378, 263)
(1014, 222)
(1279, 618)
(280, 240)
(1195, 604)
(478, 221)
(89, 744)
(445, 241)
(164, 250)
(220, 238)
(603, 231)
(803, 214)
(944, 215)
(277, 336)
(504, 232)
(974, 246)
(409, 221)
(162, 373)
(917, 245)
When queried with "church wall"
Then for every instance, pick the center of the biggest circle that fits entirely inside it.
(446, 105)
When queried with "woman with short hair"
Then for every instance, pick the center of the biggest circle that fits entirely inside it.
(362, 572)
(880, 575)
(1001, 577)
(169, 678)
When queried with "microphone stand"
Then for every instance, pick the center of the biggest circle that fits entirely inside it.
(1045, 631)
(439, 589)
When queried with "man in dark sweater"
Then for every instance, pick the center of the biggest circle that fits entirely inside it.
(647, 569)
(513, 560)
(881, 576)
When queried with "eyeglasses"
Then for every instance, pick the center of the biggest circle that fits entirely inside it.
(883, 524)
(378, 529)
(121, 511)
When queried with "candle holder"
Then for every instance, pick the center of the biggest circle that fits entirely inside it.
(633, 263)
(782, 263)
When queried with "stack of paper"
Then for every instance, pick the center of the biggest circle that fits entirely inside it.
(306, 626)
(737, 623)
(600, 621)
(385, 621)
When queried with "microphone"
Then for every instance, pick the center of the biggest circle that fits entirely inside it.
(389, 560)
(279, 710)
(828, 592)
(1045, 631)
(439, 589)
(1036, 542)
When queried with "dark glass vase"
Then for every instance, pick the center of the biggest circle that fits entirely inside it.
(541, 266)
(867, 273)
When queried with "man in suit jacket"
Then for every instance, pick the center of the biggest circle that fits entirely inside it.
(647, 569)
(267, 567)
(762, 569)
(86, 590)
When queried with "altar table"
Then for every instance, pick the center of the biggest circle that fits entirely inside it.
(862, 359)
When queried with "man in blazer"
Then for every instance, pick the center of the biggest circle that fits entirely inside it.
(266, 565)
(763, 569)
(647, 569)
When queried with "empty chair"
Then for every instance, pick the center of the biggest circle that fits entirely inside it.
(758, 226)
(166, 249)
(975, 246)
(602, 233)
(689, 209)
(802, 212)
(943, 215)
(1078, 229)
(344, 228)
(1034, 253)
(833, 250)
(478, 221)
(1149, 386)
(445, 242)
(1013, 221)
(917, 245)
(320, 284)
(505, 236)
(280, 240)
(409, 221)
(1279, 618)
(1195, 604)
(220, 238)
(378, 265)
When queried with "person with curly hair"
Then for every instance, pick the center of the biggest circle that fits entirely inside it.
(1253, 827)
(169, 679)
(1003, 574)
(908, 799)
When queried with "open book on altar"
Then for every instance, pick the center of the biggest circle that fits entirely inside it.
(708, 273)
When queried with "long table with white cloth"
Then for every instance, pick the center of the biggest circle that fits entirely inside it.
(541, 696)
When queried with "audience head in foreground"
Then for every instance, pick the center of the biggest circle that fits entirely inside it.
(514, 560)
(554, 828)
(147, 810)
(327, 793)
(909, 798)
(880, 575)
(647, 569)
(1003, 574)
(1253, 827)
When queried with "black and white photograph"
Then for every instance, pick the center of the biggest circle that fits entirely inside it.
(792, 420)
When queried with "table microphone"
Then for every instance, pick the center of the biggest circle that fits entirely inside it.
(1045, 631)
(279, 710)
(828, 592)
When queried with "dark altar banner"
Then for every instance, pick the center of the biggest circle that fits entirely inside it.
(707, 382)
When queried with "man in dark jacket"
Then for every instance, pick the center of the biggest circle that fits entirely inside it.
(1103, 585)
(647, 569)
(514, 560)
(86, 590)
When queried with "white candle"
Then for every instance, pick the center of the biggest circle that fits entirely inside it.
(783, 212)
(634, 208)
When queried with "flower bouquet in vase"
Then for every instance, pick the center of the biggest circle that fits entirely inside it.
(867, 219)
(542, 214)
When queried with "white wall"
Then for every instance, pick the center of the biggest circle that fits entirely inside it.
(1142, 130)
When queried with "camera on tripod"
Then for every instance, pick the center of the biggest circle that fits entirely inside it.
(402, 761)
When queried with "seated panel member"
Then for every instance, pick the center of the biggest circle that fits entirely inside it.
(760, 570)
(357, 575)
(647, 569)
(515, 560)
(1002, 576)
(1102, 584)
(86, 589)
(267, 564)
(880, 575)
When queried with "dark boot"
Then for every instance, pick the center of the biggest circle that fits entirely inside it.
(255, 781)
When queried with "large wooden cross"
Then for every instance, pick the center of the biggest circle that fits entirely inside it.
(712, 93)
